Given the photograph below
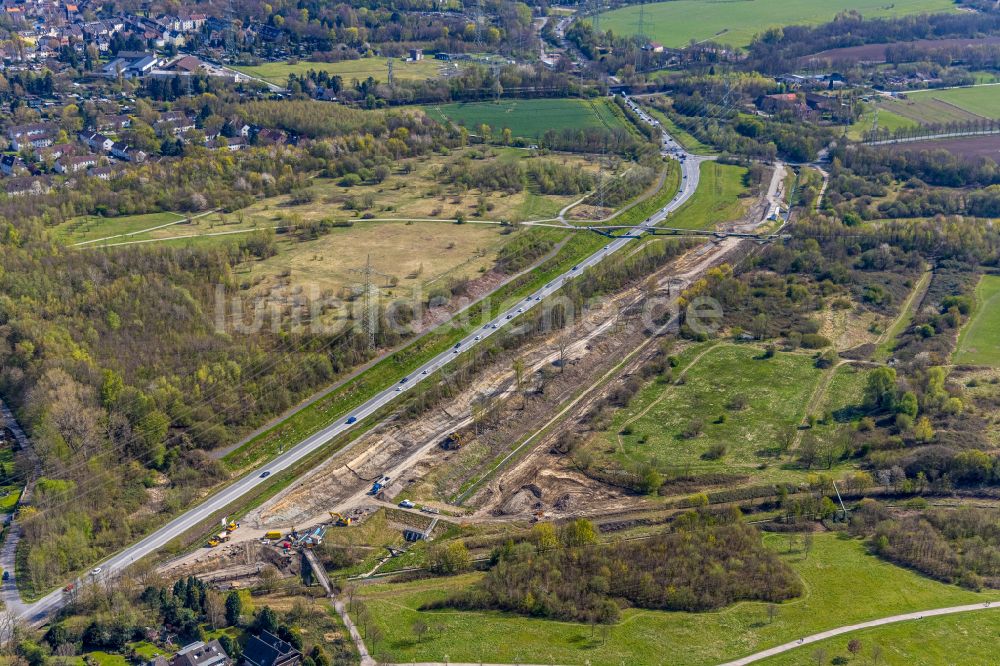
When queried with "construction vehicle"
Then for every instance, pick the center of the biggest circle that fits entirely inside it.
(376, 487)
(273, 535)
(231, 527)
(221, 537)
(340, 520)
(452, 442)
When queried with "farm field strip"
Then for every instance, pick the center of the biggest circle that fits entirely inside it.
(945, 105)
(529, 118)
(277, 72)
(676, 23)
(979, 341)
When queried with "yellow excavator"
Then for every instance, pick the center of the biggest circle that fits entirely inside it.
(340, 520)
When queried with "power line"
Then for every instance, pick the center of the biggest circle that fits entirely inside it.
(369, 316)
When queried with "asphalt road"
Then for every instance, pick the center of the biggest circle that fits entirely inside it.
(37, 612)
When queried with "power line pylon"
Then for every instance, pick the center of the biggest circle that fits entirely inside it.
(640, 34)
(388, 63)
(369, 301)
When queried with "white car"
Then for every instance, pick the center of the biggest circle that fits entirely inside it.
(479, 337)
(96, 571)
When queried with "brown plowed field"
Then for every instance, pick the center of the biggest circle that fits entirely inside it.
(965, 146)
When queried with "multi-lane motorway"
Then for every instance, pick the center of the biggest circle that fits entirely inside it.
(216, 504)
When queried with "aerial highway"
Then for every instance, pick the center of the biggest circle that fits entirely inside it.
(38, 611)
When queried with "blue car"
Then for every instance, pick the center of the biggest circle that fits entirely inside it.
(351, 419)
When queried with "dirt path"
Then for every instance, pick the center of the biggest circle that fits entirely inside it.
(817, 397)
(906, 312)
(830, 633)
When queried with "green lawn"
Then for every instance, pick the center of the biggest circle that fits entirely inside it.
(8, 498)
(843, 585)
(924, 107)
(964, 638)
(979, 341)
(92, 227)
(277, 72)
(981, 100)
(106, 659)
(886, 120)
(777, 391)
(676, 23)
(717, 200)
(528, 118)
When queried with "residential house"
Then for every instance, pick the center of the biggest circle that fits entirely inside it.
(268, 136)
(782, 102)
(12, 165)
(97, 141)
(269, 650)
(74, 164)
(104, 172)
(53, 152)
(113, 123)
(35, 135)
(201, 654)
(125, 152)
(232, 144)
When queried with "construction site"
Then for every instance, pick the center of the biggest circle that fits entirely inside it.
(488, 462)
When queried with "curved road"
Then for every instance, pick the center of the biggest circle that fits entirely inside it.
(918, 615)
(37, 612)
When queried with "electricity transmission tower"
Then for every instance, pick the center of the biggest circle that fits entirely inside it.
(640, 35)
(497, 88)
(388, 63)
(479, 17)
(369, 301)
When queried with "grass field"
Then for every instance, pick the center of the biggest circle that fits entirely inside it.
(415, 194)
(941, 106)
(92, 227)
(843, 585)
(418, 255)
(966, 638)
(676, 23)
(979, 341)
(719, 198)
(528, 118)
(777, 390)
(886, 120)
(277, 72)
